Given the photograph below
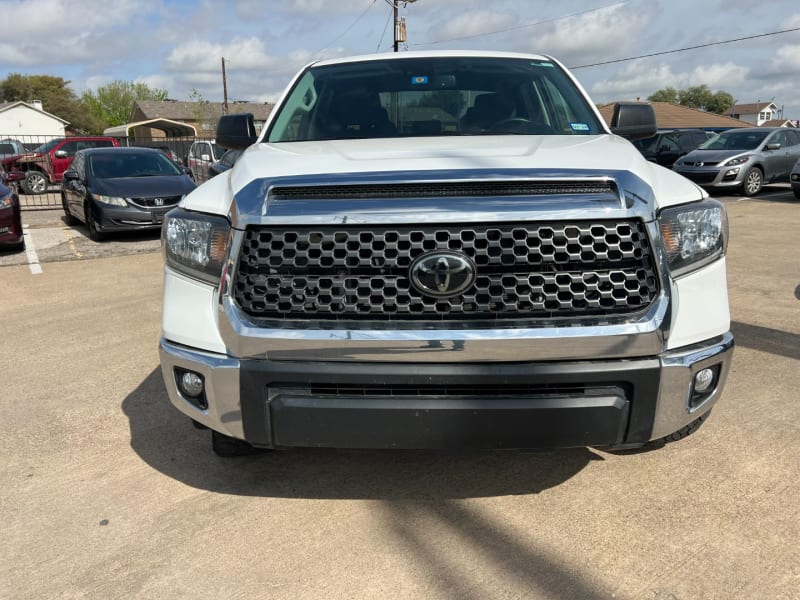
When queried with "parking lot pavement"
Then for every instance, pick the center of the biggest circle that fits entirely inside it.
(108, 492)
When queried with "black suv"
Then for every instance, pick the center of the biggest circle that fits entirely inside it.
(668, 145)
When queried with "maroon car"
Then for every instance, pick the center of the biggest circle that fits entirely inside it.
(46, 164)
(10, 214)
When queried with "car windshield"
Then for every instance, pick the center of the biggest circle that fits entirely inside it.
(735, 140)
(47, 146)
(433, 97)
(112, 165)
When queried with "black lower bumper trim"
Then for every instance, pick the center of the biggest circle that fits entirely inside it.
(613, 402)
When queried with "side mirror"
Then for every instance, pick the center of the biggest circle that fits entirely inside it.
(773, 146)
(236, 132)
(61, 154)
(633, 120)
(71, 175)
(205, 157)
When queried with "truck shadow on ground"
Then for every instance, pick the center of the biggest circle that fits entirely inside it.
(165, 439)
(766, 339)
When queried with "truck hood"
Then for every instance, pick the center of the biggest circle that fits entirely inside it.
(526, 156)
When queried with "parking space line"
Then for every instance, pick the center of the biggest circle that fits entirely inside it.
(30, 251)
(71, 242)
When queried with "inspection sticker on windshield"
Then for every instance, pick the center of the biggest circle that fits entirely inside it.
(419, 80)
(579, 126)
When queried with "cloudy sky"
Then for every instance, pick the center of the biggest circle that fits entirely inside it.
(177, 44)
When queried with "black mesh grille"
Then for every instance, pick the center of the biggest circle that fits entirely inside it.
(458, 189)
(523, 271)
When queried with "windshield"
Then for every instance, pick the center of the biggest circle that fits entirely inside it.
(127, 164)
(433, 97)
(735, 140)
(47, 146)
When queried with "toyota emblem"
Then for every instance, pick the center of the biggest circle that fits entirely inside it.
(442, 274)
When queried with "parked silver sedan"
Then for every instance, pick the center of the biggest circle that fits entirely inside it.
(743, 159)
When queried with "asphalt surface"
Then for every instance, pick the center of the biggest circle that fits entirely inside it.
(108, 492)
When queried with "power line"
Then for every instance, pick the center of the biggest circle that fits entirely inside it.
(523, 26)
(349, 27)
(385, 27)
(719, 43)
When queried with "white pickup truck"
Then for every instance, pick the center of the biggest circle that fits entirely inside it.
(444, 249)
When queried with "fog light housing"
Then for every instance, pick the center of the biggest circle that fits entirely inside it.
(704, 383)
(703, 380)
(192, 387)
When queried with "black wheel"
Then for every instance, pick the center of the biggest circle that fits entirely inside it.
(94, 234)
(68, 218)
(35, 182)
(685, 432)
(228, 447)
(661, 442)
(753, 180)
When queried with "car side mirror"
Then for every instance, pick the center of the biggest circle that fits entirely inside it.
(61, 154)
(633, 120)
(236, 132)
(205, 157)
(773, 146)
(71, 175)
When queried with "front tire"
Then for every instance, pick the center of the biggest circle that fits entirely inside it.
(68, 218)
(35, 182)
(753, 181)
(228, 447)
(94, 234)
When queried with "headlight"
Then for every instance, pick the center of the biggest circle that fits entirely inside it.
(112, 200)
(7, 200)
(735, 161)
(694, 234)
(195, 244)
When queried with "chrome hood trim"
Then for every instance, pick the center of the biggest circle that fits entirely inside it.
(253, 204)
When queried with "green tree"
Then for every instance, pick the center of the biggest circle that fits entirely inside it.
(112, 104)
(668, 94)
(57, 98)
(721, 103)
(698, 96)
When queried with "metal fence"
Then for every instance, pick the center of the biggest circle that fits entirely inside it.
(13, 149)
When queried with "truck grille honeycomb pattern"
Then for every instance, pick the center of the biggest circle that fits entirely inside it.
(523, 271)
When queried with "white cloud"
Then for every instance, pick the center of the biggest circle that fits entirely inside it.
(475, 23)
(638, 80)
(605, 34)
(719, 76)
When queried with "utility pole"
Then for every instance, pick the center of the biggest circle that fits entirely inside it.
(399, 24)
(224, 89)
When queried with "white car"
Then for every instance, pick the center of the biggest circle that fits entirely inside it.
(444, 249)
(202, 153)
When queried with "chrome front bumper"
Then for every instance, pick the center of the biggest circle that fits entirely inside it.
(239, 403)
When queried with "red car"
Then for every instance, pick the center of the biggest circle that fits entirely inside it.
(10, 214)
(46, 164)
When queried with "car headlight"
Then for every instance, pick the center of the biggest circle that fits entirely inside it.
(195, 244)
(694, 234)
(112, 200)
(735, 161)
(7, 200)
